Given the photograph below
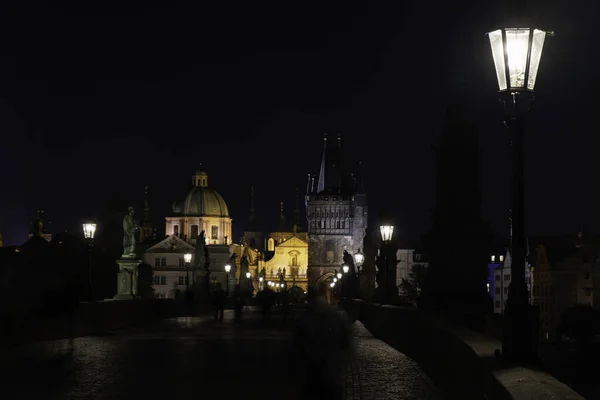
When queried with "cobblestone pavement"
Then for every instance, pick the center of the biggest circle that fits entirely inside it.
(184, 357)
(378, 371)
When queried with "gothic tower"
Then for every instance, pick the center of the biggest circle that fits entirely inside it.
(252, 235)
(146, 230)
(336, 212)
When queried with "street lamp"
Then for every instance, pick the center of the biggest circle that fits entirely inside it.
(227, 269)
(89, 231)
(187, 257)
(345, 268)
(339, 275)
(517, 54)
(359, 258)
(248, 275)
(389, 267)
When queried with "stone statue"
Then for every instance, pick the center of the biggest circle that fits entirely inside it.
(129, 228)
(202, 261)
(349, 261)
(231, 262)
(283, 272)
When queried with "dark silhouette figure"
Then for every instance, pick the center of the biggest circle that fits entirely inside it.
(456, 285)
(238, 303)
(322, 344)
(284, 297)
(219, 297)
(266, 299)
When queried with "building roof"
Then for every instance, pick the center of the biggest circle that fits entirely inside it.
(201, 200)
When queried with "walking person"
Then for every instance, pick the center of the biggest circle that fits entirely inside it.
(219, 297)
(238, 303)
(323, 343)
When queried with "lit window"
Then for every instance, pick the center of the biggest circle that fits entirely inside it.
(271, 245)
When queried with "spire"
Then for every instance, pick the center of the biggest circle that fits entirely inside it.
(281, 226)
(330, 174)
(252, 218)
(146, 207)
(297, 211)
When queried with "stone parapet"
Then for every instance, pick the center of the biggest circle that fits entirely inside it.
(460, 361)
(89, 318)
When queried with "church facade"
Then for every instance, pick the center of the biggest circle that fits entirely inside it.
(202, 209)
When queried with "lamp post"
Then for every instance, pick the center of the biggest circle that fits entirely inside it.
(248, 277)
(227, 269)
(359, 258)
(187, 257)
(345, 268)
(387, 231)
(517, 54)
(89, 231)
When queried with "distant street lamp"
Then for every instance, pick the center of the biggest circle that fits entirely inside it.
(359, 258)
(389, 267)
(248, 278)
(345, 268)
(227, 270)
(89, 231)
(339, 275)
(187, 257)
(517, 54)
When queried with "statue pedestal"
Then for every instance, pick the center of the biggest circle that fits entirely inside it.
(127, 279)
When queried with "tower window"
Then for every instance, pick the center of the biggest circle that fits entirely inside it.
(337, 224)
(343, 224)
(214, 232)
(271, 245)
(330, 251)
(176, 230)
(194, 232)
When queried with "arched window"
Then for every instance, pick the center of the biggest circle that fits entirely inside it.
(271, 245)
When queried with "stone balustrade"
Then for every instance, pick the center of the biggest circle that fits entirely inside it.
(459, 360)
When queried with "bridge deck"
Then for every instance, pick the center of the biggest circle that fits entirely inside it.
(186, 357)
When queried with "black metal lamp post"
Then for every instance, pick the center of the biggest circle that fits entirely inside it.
(517, 53)
(387, 231)
(89, 231)
(227, 270)
(187, 257)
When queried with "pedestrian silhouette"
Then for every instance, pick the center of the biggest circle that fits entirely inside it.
(219, 297)
(323, 343)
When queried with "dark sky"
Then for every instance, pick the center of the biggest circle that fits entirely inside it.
(103, 101)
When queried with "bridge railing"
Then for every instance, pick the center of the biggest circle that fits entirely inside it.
(460, 361)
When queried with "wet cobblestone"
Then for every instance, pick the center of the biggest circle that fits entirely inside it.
(377, 371)
(197, 357)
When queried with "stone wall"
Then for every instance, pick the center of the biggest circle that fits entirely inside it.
(460, 361)
(88, 319)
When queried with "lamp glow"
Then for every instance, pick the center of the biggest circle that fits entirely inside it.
(260, 279)
(517, 53)
(248, 275)
(345, 268)
(339, 275)
(227, 268)
(89, 230)
(359, 257)
(187, 257)
(387, 231)
(332, 284)
(335, 279)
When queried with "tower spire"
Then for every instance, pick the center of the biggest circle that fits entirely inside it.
(297, 211)
(146, 207)
(252, 226)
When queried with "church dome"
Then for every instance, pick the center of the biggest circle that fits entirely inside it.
(201, 200)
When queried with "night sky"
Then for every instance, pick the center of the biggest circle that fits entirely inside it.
(104, 101)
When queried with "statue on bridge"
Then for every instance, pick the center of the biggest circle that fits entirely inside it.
(129, 228)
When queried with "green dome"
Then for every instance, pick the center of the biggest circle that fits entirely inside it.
(201, 201)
